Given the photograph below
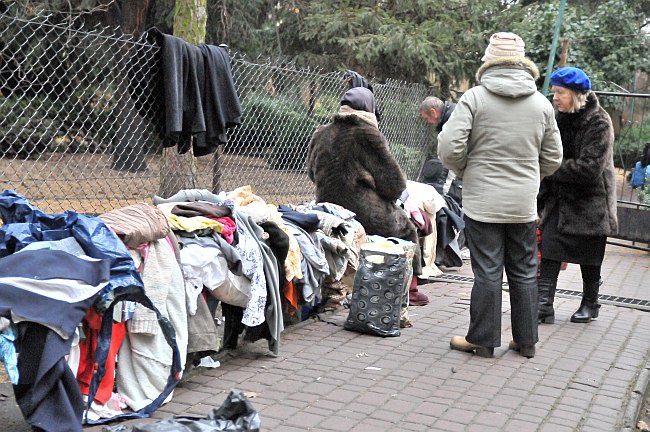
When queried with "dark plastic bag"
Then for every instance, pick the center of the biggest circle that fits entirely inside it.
(236, 414)
(377, 294)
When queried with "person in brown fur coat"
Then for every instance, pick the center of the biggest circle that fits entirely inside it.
(351, 165)
(577, 204)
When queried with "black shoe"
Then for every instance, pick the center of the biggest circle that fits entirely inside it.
(589, 306)
(586, 312)
(546, 295)
(546, 317)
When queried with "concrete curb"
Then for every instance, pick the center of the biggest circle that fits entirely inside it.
(636, 400)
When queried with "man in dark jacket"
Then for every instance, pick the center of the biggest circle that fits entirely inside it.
(435, 111)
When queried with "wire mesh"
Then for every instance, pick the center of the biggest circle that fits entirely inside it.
(632, 136)
(79, 130)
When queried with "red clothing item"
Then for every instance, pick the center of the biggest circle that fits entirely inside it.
(92, 323)
(292, 296)
(229, 227)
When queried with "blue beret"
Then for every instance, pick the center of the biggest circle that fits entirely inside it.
(572, 78)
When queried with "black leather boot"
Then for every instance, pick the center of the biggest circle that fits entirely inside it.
(546, 295)
(589, 306)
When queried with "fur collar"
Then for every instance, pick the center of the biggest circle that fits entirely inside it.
(580, 118)
(525, 64)
(346, 112)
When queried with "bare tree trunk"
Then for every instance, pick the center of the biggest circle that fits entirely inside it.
(179, 171)
(565, 53)
(129, 147)
(216, 170)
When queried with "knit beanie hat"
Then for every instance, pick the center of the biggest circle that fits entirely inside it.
(359, 98)
(572, 78)
(504, 45)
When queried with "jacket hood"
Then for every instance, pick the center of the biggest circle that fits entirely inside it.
(509, 77)
(349, 114)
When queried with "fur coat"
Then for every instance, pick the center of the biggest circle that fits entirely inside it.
(351, 165)
(584, 187)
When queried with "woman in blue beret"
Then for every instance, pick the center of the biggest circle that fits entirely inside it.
(577, 204)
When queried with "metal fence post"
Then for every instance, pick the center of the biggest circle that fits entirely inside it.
(551, 54)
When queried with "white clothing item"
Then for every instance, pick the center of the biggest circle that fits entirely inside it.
(99, 411)
(429, 243)
(451, 176)
(209, 362)
(205, 266)
(425, 197)
(66, 290)
(428, 199)
(68, 244)
(202, 266)
(253, 268)
(257, 210)
(235, 290)
(75, 353)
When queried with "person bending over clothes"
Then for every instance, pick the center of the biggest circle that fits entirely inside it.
(351, 165)
(436, 112)
(577, 204)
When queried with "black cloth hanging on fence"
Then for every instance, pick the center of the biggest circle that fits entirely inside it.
(222, 109)
(200, 100)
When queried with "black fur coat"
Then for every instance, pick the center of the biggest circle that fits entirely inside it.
(351, 165)
(584, 187)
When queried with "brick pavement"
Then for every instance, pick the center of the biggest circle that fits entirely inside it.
(583, 377)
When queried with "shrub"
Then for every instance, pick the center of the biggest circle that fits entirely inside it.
(90, 119)
(291, 142)
(409, 158)
(83, 122)
(259, 122)
(628, 146)
(25, 131)
(644, 194)
(277, 128)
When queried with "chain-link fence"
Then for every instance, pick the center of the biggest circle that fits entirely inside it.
(78, 132)
(631, 117)
(631, 152)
